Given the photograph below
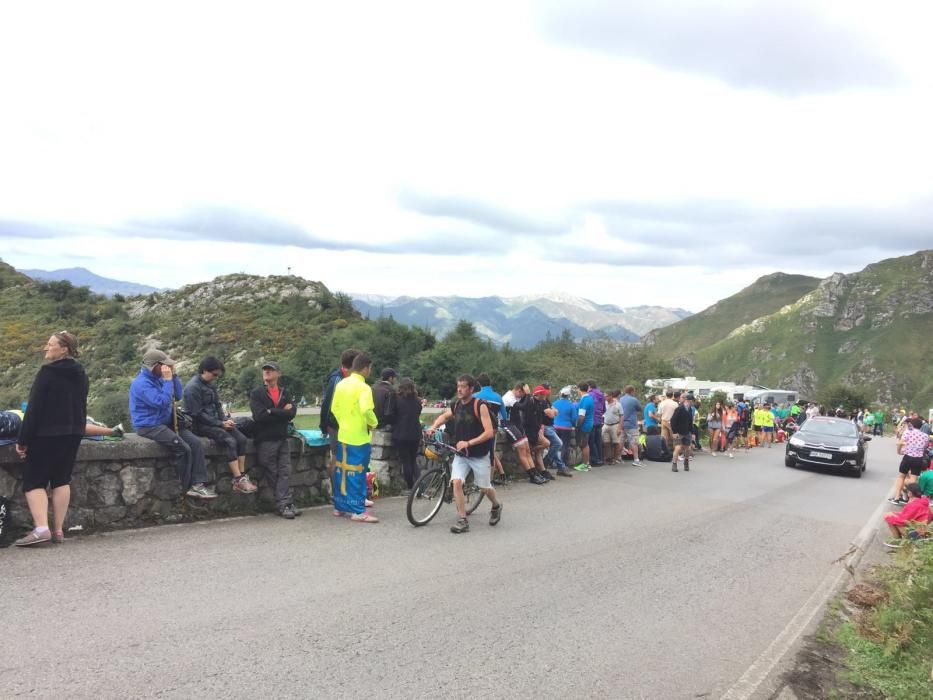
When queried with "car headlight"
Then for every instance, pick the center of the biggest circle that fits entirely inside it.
(797, 442)
(849, 448)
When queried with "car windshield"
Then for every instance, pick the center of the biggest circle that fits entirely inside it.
(834, 428)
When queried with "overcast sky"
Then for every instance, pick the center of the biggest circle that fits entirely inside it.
(652, 152)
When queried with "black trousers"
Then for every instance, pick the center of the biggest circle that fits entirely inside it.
(407, 453)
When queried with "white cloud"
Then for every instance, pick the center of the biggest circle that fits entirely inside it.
(333, 119)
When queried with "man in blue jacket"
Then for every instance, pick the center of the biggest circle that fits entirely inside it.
(153, 394)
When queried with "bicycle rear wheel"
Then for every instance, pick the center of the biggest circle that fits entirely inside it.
(427, 497)
(472, 495)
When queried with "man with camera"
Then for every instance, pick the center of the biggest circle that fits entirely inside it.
(153, 394)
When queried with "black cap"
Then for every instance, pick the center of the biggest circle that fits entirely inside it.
(272, 365)
(689, 397)
(389, 373)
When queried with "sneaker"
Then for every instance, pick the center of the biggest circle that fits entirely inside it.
(687, 465)
(33, 538)
(288, 512)
(546, 474)
(201, 491)
(295, 510)
(901, 502)
(731, 456)
(58, 537)
(368, 503)
(498, 481)
(244, 485)
(565, 472)
(118, 430)
(461, 526)
(894, 543)
(495, 513)
(894, 501)
(674, 467)
(637, 463)
(535, 478)
(713, 453)
(582, 467)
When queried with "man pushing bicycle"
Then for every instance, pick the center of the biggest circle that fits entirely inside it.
(473, 435)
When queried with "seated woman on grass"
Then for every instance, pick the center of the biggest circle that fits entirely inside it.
(911, 521)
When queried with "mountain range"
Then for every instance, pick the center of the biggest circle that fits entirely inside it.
(82, 277)
(522, 322)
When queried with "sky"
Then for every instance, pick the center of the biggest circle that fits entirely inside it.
(631, 152)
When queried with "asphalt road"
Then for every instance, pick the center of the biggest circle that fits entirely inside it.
(622, 583)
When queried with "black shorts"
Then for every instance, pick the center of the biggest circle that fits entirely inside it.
(50, 461)
(514, 434)
(533, 438)
(913, 465)
(685, 440)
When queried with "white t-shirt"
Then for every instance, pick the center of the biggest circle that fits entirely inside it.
(666, 409)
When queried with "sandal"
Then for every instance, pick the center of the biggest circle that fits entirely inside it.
(364, 518)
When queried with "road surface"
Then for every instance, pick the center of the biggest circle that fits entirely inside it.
(621, 583)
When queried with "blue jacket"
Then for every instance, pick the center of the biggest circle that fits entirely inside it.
(151, 399)
(328, 422)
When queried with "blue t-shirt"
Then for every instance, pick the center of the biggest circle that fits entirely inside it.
(566, 413)
(631, 407)
(649, 421)
(588, 406)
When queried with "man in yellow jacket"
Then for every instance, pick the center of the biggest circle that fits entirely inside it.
(353, 408)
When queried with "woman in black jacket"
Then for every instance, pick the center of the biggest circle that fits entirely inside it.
(406, 430)
(53, 425)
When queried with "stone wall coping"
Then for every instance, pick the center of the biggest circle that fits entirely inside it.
(133, 447)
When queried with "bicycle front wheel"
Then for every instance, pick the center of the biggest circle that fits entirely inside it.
(427, 497)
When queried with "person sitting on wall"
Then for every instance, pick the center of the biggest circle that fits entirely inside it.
(203, 403)
(153, 394)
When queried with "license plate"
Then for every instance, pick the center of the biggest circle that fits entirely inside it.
(821, 455)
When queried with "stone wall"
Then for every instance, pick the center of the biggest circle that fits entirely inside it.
(133, 483)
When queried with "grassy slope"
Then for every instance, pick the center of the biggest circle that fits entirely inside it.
(111, 339)
(765, 296)
(894, 358)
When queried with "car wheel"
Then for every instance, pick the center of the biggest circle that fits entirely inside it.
(858, 472)
(788, 461)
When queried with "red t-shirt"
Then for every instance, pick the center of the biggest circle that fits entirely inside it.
(275, 394)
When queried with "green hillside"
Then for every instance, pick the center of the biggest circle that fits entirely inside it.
(681, 340)
(245, 319)
(870, 330)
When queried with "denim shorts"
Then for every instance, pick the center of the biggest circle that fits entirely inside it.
(461, 467)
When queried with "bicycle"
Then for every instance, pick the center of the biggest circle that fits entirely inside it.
(433, 488)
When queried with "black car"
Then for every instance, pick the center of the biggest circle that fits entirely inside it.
(828, 442)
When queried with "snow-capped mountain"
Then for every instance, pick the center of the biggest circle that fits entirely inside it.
(522, 321)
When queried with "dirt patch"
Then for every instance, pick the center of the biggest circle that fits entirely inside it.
(866, 595)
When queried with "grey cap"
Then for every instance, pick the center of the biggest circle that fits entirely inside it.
(272, 365)
(154, 357)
